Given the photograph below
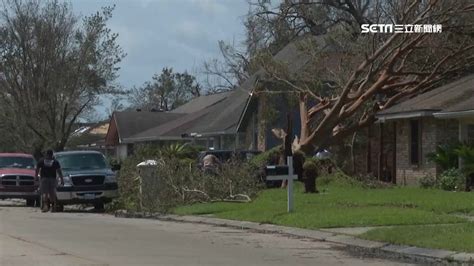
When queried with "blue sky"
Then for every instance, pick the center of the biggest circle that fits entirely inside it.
(181, 34)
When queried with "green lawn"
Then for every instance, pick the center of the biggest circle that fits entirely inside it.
(457, 237)
(345, 205)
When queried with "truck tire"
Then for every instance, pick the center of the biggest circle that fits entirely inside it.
(99, 206)
(59, 207)
(30, 202)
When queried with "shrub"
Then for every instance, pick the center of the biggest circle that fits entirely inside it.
(445, 156)
(466, 152)
(427, 181)
(178, 182)
(269, 157)
(180, 151)
(128, 185)
(452, 179)
(311, 164)
(310, 170)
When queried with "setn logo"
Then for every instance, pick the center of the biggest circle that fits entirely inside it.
(377, 28)
(401, 28)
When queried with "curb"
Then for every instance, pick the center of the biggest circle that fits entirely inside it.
(367, 247)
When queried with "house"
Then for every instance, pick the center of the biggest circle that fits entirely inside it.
(413, 129)
(124, 125)
(230, 120)
(256, 124)
(222, 121)
(208, 120)
(89, 136)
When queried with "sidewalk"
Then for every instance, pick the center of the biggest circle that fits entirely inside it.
(343, 236)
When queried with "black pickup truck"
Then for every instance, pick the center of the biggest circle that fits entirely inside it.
(88, 179)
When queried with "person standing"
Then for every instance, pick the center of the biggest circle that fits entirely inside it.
(48, 169)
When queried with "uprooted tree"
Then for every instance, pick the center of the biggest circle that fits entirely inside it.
(348, 76)
(54, 68)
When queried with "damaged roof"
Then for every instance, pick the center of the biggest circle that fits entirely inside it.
(457, 96)
(130, 123)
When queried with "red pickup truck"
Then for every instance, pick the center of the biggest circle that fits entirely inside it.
(17, 173)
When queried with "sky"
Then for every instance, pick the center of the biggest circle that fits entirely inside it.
(181, 34)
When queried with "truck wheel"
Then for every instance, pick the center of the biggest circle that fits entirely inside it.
(99, 206)
(30, 202)
(59, 207)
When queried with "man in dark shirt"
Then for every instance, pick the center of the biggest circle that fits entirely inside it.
(48, 169)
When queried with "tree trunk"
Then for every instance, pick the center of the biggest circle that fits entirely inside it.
(353, 159)
(310, 181)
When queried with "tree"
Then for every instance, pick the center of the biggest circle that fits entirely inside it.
(54, 67)
(228, 72)
(350, 76)
(166, 91)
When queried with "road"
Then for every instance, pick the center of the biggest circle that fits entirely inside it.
(29, 237)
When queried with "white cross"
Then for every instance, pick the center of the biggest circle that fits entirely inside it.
(290, 177)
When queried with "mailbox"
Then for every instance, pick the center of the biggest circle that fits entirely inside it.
(277, 170)
(283, 172)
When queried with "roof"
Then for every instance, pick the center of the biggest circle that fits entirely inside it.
(201, 102)
(295, 59)
(457, 96)
(219, 118)
(221, 113)
(130, 123)
(98, 128)
(15, 155)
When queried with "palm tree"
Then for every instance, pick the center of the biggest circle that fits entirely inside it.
(466, 154)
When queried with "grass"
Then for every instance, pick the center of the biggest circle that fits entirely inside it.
(457, 237)
(345, 204)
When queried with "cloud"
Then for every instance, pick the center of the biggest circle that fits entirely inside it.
(210, 6)
(169, 33)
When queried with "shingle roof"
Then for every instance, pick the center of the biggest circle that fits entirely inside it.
(451, 97)
(221, 113)
(201, 102)
(130, 123)
(220, 118)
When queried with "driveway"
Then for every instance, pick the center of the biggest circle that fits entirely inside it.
(29, 237)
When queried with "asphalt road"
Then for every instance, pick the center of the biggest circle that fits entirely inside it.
(29, 237)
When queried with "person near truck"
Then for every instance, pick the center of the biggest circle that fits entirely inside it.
(48, 169)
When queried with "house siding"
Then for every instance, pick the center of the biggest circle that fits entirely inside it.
(121, 151)
(433, 133)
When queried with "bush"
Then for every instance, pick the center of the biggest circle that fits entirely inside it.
(466, 153)
(428, 181)
(310, 173)
(452, 179)
(311, 164)
(269, 157)
(179, 182)
(445, 156)
(128, 185)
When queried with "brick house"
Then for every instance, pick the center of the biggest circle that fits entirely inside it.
(412, 129)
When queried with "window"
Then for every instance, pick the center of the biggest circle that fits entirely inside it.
(415, 142)
(470, 133)
(130, 149)
(82, 161)
(17, 162)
